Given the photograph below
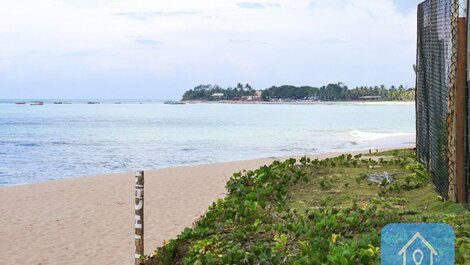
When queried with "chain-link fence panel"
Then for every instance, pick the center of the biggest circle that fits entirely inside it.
(435, 79)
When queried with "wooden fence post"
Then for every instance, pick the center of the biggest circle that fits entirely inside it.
(139, 216)
(461, 111)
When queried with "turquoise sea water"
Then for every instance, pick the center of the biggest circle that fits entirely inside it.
(39, 143)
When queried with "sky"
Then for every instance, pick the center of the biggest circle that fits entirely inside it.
(153, 49)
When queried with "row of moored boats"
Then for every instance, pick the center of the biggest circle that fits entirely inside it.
(39, 103)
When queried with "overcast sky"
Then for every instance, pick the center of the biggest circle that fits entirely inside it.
(158, 49)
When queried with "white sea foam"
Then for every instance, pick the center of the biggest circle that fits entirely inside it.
(372, 136)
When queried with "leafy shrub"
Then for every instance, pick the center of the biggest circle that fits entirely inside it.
(254, 223)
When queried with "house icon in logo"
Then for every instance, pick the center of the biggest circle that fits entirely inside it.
(418, 255)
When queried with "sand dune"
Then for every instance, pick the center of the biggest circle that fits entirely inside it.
(89, 220)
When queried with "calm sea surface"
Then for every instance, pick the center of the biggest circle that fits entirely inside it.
(40, 143)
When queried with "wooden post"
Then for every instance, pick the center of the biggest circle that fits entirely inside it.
(460, 110)
(139, 216)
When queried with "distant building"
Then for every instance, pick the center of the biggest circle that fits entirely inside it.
(217, 95)
(247, 98)
(250, 98)
(259, 93)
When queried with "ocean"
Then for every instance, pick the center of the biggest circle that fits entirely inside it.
(41, 143)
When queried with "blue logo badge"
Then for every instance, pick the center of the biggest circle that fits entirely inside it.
(418, 244)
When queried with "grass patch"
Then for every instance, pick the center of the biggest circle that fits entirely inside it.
(315, 212)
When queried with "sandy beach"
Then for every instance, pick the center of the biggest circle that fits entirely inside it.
(89, 220)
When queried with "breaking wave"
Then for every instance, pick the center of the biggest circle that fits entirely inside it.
(371, 136)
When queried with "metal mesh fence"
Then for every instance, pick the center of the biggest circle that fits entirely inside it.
(436, 64)
(440, 103)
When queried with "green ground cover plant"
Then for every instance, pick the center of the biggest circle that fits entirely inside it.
(315, 212)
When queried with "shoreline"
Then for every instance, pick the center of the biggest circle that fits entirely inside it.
(386, 103)
(88, 220)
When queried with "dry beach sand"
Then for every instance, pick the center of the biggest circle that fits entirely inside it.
(89, 220)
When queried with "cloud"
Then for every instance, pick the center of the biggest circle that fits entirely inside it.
(256, 5)
(63, 53)
(79, 53)
(147, 42)
(251, 5)
(319, 4)
(332, 41)
(148, 15)
(40, 53)
(246, 41)
(89, 3)
(273, 5)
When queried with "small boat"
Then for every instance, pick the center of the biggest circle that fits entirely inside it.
(117, 103)
(20, 103)
(58, 102)
(37, 103)
(93, 102)
(174, 103)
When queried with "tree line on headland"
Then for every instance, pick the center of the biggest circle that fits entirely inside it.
(207, 92)
(330, 92)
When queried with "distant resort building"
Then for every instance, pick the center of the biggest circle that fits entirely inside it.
(217, 95)
(256, 97)
(249, 98)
